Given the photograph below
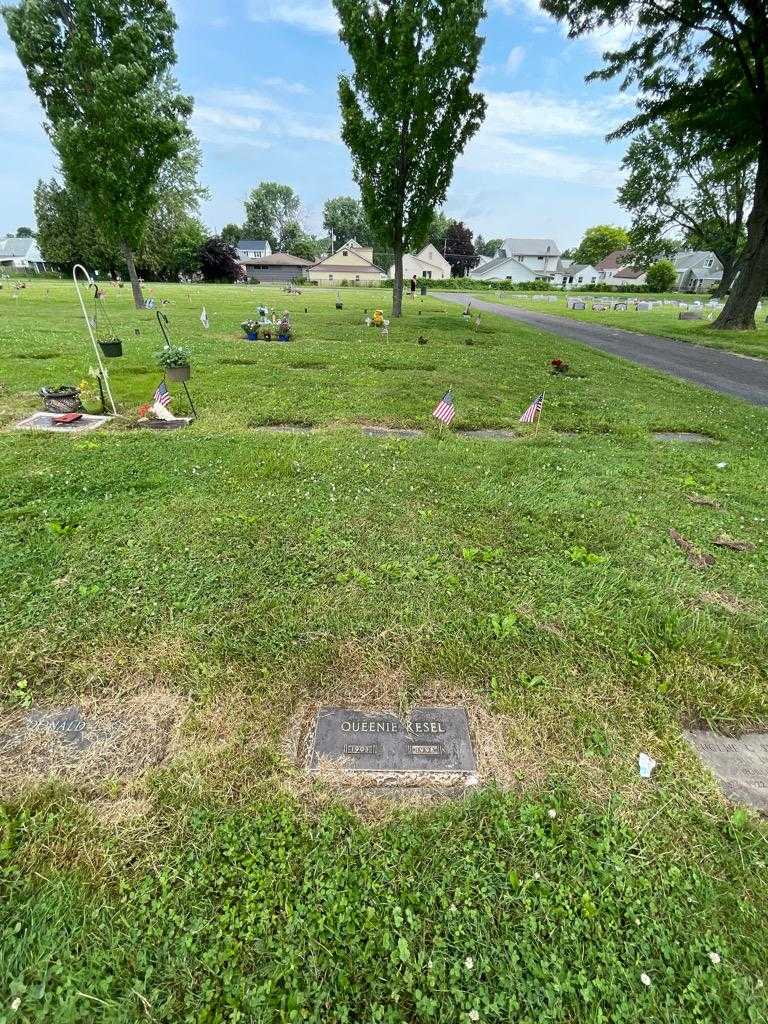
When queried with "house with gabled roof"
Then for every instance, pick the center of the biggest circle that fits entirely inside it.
(253, 249)
(429, 263)
(352, 263)
(617, 268)
(21, 254)
(521, 259)
(697, 271)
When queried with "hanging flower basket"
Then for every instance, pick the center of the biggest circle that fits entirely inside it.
(64, 398)
(111, 349)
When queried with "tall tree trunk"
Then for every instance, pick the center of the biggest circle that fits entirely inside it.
(397, 287)
(738, 314)
(138, 298)
(730, 265)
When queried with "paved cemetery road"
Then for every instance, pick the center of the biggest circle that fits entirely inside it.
(712, 368)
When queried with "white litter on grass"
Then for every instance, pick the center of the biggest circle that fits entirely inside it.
(645, 980)
(646, 765)
(721, 465)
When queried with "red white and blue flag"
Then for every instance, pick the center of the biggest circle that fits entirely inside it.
(445, 409)
(162, 395)
(533, 410)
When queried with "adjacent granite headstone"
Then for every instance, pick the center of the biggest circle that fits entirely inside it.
(690, 314)
(68, 726)
(686, 436)
(432, 742)
(739, 765)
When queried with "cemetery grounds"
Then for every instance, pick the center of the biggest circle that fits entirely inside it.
(662, 320)
(203, 587)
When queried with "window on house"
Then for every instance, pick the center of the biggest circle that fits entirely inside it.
(345, 252)
(539, 257)
(709, 262)
(330, 277)
(357, 277)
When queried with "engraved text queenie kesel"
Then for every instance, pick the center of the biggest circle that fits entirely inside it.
(429, 740)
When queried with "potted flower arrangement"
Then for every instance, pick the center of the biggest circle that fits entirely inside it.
(558, 366)
(251, 329)
(174, 360)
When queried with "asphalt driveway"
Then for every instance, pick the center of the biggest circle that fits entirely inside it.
(726, 372)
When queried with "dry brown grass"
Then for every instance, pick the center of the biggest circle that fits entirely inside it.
(132, 733)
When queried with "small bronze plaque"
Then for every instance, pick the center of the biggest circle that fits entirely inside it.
(429, 740)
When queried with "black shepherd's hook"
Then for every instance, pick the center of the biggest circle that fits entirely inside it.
(162, 319)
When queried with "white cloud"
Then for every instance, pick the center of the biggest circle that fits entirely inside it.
(609, 37)
(313, 15)
(497, 155)
(542, 114)
(227, 118)
(295, 88)
(515, 58)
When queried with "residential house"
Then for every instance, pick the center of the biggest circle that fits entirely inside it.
(577, 275)
(252, 249)
(521, 259)
(21, 254)
(278, 266)
(617, 268)
(697, 271)
(427, 263)
(352, 263)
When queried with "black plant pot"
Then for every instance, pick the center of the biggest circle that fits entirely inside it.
(339, 305)
(179, 373)
(111, 349)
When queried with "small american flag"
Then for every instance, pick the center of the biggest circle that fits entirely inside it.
(533, 410)
(445, 409)
(162, 395)
(204, 318)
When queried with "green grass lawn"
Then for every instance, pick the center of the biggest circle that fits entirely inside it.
(663, 320)
(238, 575)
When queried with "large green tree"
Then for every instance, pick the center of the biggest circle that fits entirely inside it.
(102, 72)
(268, 209)
(704, 62)
(70, 233)
(344, 218)
(408, 110)
(599, 241)
(672, 186)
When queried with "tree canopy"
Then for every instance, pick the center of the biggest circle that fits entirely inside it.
(598, 242)
(269, 208)
(408, 110)
(460, 252)
(673, 185)
(704, 63)
(661, 276)
(345, 217)
(101, 70)
(218, 260)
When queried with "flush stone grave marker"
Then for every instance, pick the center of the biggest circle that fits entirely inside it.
(739, 765)
(389, 750)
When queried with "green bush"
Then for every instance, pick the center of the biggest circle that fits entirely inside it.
(661, 276)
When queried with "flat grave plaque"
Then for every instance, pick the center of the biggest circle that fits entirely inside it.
(739, 765)
(45, 421)
(431, 740)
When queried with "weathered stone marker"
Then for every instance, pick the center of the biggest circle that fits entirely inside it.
(393, 751)
(739, 765)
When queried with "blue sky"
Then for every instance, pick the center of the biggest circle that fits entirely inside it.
(263, 74)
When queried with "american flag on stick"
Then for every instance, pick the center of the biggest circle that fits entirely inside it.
(204, 318)
(533, 412)
(445, 409)
(162, 395)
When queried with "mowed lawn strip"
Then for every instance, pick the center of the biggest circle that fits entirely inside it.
(253, 572)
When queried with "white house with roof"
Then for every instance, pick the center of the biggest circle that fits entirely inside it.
(352, 263)
(429, 263)
(21, 254)
(253, 249)
(617, 268)
(697, 271)
(521, 260)
(577, 275)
